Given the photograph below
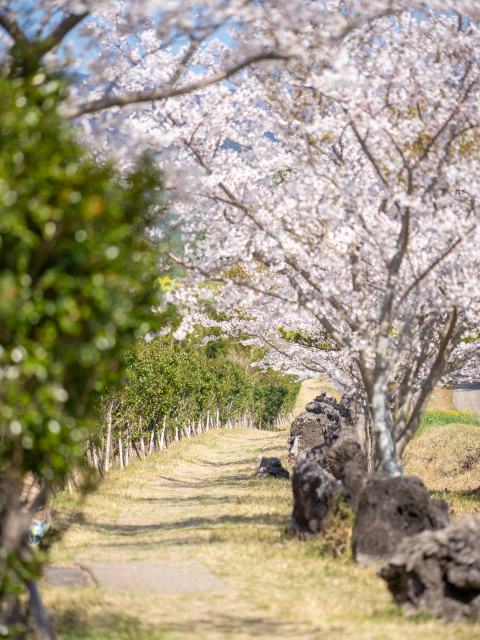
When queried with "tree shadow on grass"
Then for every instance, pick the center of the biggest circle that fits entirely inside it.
(273, 447)
(462, 502)
(189, 523)
(190, 532)
(202, 483)
(235, 481)
(76, 624)
(207, 463)
(471, 495)
(207, 500)
(210, 500)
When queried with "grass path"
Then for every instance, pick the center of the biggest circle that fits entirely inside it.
(197, 502)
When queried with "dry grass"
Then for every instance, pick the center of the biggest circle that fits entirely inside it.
(441, 400)
(197, 502)
(447, 459)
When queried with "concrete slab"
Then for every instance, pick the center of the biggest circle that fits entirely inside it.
(466, 395)
(154, 576)
(67, 577)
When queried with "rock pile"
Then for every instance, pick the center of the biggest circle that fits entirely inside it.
(322, 418)
(328, 458)
(387, 509)
(438, 572)
(433, 566)
(391, 509)
(314, 492)
(272, 467)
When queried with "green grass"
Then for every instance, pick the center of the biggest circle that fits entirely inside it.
(439, 417)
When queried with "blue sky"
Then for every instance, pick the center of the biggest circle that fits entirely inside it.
(31, 17)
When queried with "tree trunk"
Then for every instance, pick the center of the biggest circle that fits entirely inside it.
(43, 630)
(384, 446)
(162, 440)
(120, 452)
(364, 428)
(109, 435)
(89, 455)
(136, 450)
(95, 458)
(150, 449)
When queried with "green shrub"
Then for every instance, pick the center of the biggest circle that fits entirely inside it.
(182, 382)
(76, 286)
(275, 394)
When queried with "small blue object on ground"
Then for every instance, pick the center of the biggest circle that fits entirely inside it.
(37, 530)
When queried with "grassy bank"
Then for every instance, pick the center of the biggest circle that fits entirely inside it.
(446, 456)
(441, 399)
(440, 417)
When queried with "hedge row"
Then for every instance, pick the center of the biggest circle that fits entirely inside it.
(182, 382)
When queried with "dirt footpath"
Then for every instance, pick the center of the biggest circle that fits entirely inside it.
(189, 545)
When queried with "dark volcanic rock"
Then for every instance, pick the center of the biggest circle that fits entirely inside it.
(390, 509)
(344, 412)
(314, 407)
(314, 491)
(438, 571)
(331, 416)
(339, 448)
(348, 409)
(325, 409)
(354, 480)
(327, 399)
(339, 454)
(323, 418)
(306, 432)
(272, 467)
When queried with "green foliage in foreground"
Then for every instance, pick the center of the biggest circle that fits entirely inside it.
(77, 284)
(439, 417)
(76, 277)
(184, 381)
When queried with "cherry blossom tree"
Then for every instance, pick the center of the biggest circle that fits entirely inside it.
(148, 50)
(336, 206)
(341, 184)
(139, 51)
(324, 167)
(117, 37)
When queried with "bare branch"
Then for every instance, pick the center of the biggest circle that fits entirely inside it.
(446, 123)
(222, 280)
(168, 91)
(430, 267)
(10, 25)
(458, 365)
(69, 22)
(194, 44)
(369, 154)
(402, 341)
(429, 384)
(292, 262)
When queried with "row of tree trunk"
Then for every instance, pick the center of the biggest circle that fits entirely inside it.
(121, 453)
